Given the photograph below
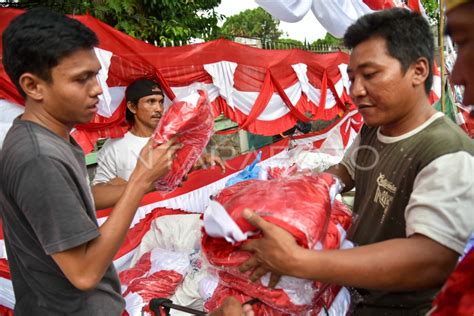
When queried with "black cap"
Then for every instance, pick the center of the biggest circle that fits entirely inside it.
(142, 88)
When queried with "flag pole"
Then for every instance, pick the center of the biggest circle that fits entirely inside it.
(441, 54)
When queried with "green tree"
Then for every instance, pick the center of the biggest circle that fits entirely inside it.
(328, 40)
(288, 43)
(161, 20)
(252, 23)
(432, 10)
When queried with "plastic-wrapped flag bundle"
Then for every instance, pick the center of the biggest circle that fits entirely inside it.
(302, 205)
(336, 303)
(156, 274)
(191, 120)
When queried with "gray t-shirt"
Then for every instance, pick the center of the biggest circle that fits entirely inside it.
(47, 207)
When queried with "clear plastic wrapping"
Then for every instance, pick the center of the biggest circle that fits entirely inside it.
(191, 120)
(300, 204)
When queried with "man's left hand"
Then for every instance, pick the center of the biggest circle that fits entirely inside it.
(207, 160)
(275, 252)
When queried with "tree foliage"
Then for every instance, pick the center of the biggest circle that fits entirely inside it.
(161, 20)
(328, 40)
(252, 23)
(286, 43)
(432, 10)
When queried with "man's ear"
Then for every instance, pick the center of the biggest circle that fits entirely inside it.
(132, 107)
(421, 71)
(33, 86)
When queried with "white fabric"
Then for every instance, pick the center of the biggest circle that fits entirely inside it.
(7, 297)
(223, 85)
(188, 292)
(318, 161)
(340, 305)
(440, 205)
(8, 112)
(337, 15)
(3, 250)
(286, 10)
(304, 86)
(301, 70)
(164, 259)
(179, 233)
(345, 77)
(222, 74)
(437, 86)
(118, 157)
(105, 99)
(208, 285)
(133, 304)
(219, 224)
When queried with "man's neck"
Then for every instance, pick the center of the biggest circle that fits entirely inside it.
(38, 115)
(141, 130)
(413, 119)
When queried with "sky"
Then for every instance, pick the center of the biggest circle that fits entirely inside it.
(308, 27)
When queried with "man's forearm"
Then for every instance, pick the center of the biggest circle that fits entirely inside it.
(396, 265)
(341, 172)
(107, 195)
(115, 228)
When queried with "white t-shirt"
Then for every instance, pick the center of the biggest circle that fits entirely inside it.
(118, 157)
(441, 203)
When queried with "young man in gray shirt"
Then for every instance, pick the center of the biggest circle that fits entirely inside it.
(60, 259)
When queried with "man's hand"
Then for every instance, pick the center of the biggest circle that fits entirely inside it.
(207, 160)
(275, 252)
(232, 307)
(154, 162)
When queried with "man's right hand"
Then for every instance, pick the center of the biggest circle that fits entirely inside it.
(154, 162)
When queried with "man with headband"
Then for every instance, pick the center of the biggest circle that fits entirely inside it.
(117, 158)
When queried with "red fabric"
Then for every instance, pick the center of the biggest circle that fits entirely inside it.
(300, 205)
(159, 284)
(261, 309)
(283, 201)
(379, 4)
(457, 295)
(4, 269)
(182, 66)
(140, 269)
(5, 311)
(203, 177)
(193, 125)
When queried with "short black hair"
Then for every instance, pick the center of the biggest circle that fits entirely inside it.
(407, 34)
(38, 39)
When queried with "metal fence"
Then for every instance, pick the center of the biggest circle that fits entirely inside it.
(319, 48)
